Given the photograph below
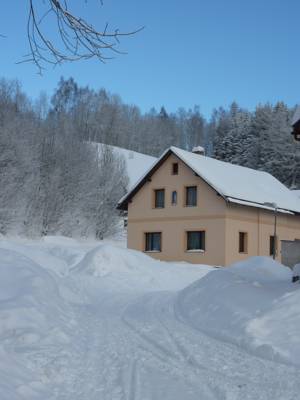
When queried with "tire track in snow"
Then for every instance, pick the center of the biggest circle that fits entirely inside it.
(180, 358)
(179, 353)
(132, 391)
(180, 349)
(193, 372)
(162, 351)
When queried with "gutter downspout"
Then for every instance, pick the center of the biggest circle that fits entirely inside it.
(275, 235)
(258, 231)
(227, 202)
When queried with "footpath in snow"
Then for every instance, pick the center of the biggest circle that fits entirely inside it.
(87, 321)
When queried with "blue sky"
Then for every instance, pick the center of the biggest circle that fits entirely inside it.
(191, 52)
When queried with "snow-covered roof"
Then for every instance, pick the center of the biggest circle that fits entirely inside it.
(296, 193)
(234, 183)
(296, 116)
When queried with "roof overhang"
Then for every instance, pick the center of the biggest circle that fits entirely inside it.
(258, 205)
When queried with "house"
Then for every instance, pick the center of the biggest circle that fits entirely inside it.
(296, 124)
(188, 207)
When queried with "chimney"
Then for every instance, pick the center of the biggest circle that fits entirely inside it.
(198, 150)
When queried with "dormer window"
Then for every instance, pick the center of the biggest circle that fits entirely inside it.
(175, 169)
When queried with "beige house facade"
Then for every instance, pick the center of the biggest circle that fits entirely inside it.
(186, 208)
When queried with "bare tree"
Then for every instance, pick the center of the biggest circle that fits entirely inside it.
(75, 38)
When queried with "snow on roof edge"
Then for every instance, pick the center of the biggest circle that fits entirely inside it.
(258, 205)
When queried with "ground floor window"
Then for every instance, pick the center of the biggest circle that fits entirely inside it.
(243, 242)
(272, 246)
(196, 240)
(153, 241)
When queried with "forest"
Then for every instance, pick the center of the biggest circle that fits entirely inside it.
(55, 180)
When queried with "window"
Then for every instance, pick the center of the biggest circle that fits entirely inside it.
(153, 241)
(159, 198)
(175, 169)
(174, 198)
(191, 196)
(243, 242)
(196, 240)
(272, 246)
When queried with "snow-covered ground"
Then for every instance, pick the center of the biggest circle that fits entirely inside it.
(89, 320)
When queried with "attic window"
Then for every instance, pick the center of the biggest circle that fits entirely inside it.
(175, 169)
(159, 198)
(191, 196)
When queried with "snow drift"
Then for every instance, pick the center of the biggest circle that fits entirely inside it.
(32, 316)
(252, 304)
(122, 269)
(44, 285)
(82, 320)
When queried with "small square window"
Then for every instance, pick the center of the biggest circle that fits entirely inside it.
(159, 201)
(196, 240)
(153, 241)
(191, 196)
(175, 169)
(243, 242)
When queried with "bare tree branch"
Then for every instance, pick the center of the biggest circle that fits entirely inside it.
(76, 39)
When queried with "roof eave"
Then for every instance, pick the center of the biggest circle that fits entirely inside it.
(248, 203)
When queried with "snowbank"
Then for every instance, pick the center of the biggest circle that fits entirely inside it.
(44, 285)
(122, 269)
(83, 320)
(252, 303)
(32, 315)
(279, 327)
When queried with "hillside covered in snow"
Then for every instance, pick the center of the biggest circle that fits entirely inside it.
(81, 320)
(136, 163)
